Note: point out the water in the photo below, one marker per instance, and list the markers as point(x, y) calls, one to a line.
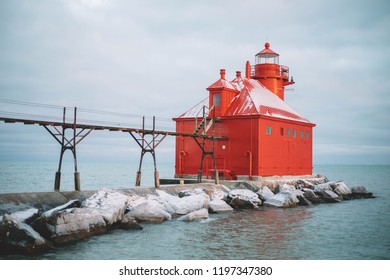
point(357, 229)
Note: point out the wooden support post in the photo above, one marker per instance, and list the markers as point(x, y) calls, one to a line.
point(77, 181)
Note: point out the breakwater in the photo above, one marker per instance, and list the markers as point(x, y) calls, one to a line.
point(50, 219)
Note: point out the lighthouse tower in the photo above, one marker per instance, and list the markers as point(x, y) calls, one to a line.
point(269, 73)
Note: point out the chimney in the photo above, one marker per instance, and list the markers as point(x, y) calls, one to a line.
point(248, 70)
point(222, 72)
point(238, 74)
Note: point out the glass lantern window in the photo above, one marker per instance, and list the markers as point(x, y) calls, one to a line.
point(267, 58)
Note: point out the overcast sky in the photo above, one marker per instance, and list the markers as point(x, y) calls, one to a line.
point(158, 57)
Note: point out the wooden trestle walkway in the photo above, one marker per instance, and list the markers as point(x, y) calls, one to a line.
point(147, 140)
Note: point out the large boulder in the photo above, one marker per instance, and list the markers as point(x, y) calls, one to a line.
point(305, 184)
point(361, 192)
point(218, 206)
point(323, 187)
point(244, 199)
point(297, 195)
point(329, 196)
point(218, 193)
point(70, 224)
point(110, 204)
point(18, 237)
point(311, 196)
point(342, 189)
point(264, 193)
point(197, 215)
point(186, 204)
point(281, 200)
point(149, 211)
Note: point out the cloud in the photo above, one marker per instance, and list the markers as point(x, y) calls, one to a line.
point(157, 58)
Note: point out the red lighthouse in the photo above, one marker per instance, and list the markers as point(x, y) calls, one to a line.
point(261, 134)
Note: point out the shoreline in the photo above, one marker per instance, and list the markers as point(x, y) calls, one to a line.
point(34, 222)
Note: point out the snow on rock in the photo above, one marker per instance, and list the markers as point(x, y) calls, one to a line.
point(197, 215)
point(342, 189)
point(220, 193)
point(186, 204)
point(361, 192)
point(264, 193)
point(18, 237)
point(70, 204)
point(305, 184)
point(135, 200)
point(243, 198)
point(110, 204)
point(70, 224)
point(287, 188)
point(149, 211)
point(329, 196)
point(281, 200)
point(219, 206)
point(26, 216)
point(323, 187)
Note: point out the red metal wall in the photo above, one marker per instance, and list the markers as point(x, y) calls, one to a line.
point(287, 150)
point(249, 150)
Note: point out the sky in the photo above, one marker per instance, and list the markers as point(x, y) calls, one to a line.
point(158, 57)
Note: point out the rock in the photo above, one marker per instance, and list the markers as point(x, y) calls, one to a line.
point(329, 196)
point(197, 215)
point(342, 189)
point(71, 204)
point(323, 187)
point(305, 184)
point(287, 188)
point(217, 193)
point(26, 216)
point(18, 237)
point(129, 222)
point(297, 195)
point(311, 196)
point(187, 204)
point(281, 200)
point(149, 211)
point(302, 200)
point(219, 206)
point(110, 204)
point(245, 199)
point(361, 192)
point(70, 225)
point(264, 193)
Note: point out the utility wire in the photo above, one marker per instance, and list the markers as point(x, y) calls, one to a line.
point(101, 112)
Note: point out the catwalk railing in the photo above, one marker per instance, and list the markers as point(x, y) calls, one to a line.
point(69, 130)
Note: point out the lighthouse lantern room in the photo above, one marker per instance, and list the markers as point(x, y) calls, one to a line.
point(261, 135)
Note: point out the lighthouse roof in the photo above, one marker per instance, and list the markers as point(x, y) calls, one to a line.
point(221, 83)
point(255, 99)
point(267, 50)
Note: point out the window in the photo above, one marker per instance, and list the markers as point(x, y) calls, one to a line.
point(268, 130)
point(307, 134)
point(217, 99)
point(301, 134)
point(294, 133)
point(281, 131)
point(288, 132)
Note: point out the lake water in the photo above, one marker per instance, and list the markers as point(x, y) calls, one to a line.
point(357, 229)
